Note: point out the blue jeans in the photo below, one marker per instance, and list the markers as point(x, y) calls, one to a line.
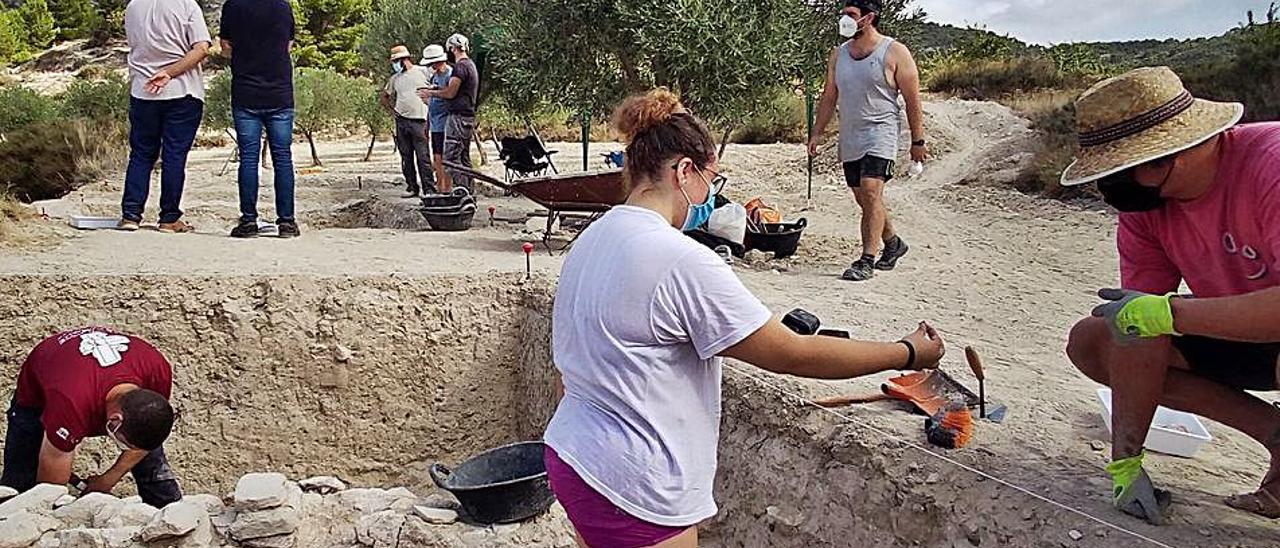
point(163, 130)
point(157, 484)
point(278, 123)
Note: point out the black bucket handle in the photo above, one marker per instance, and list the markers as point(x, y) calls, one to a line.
point(440, 473)
point(802, 223)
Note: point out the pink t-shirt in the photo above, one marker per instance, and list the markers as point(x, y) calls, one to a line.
point(1224, 243)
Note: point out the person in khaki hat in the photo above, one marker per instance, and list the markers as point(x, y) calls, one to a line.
point(1199, 202)
point(413, 139)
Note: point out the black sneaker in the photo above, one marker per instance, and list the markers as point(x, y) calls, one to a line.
point(246, 229)
point(892, 252)
point(861, 270)
point(411, 193)
point(288, 229)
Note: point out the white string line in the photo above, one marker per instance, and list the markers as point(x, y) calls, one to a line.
point(944, 458)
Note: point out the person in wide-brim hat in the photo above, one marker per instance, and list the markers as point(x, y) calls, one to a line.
point(1199, 198)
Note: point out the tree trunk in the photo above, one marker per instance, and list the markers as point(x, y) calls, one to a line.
point(724, 141)
point(475, 136)
point(373, 139)
point(315, 158)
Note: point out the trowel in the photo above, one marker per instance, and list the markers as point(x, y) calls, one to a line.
point(997, 411)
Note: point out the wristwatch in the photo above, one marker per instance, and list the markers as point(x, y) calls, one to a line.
point(919, 143)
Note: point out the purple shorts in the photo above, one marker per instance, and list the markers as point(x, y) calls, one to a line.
point(599, 522)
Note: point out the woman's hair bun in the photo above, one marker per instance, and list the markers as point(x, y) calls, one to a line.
point(640, 113)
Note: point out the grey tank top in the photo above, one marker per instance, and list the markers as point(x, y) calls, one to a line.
point(870, 117)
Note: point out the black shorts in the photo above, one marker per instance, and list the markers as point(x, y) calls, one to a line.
point(437, 143)
point(870, 167)
point(1248, 366)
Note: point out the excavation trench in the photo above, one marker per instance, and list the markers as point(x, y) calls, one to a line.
point(372, 379)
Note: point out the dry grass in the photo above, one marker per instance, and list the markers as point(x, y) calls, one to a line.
point(12, 216)
point(1052, 115)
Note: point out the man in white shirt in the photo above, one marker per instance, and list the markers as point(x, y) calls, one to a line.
point(168, 39)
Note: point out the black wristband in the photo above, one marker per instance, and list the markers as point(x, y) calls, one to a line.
point(919, 143)
point(911, 355)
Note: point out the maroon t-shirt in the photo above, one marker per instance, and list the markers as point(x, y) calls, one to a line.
point(69, 374)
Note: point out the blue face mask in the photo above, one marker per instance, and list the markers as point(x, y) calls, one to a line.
point(396, 67)
point(699, 214)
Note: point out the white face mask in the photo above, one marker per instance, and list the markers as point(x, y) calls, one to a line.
point(848, 26)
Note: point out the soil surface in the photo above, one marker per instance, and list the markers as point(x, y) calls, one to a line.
point(993, 268)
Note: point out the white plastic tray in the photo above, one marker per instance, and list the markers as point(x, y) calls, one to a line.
point(1172, 432)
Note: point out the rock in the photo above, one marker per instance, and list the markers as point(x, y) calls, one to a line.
point(776, 515)
point(506, 529)
point(91, 510)
point(7, 492)
point(932, 479)
point(212, 504)
point(120, 537)
point(379, 530)
point(131, 515)
point(63, 501)
point(416, 533)
point(323, 485)
point(261, 491)
point(342, 353)
point(366, 501)
point(24, 528)
point(437, 516)
point(278, 541)
point(1097, 445)
point(1075, 535)
point(38, 499)
point(132, 500)
point(440, 500)
point(281, 520)
point(174, 520)
point(48, 540)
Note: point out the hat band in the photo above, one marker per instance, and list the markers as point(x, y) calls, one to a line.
point(1140, 123)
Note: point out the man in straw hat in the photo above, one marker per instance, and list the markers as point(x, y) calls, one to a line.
point(1199, 198)
point(400, 97)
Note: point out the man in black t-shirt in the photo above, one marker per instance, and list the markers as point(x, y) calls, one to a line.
point(261, 33)
point(461, 93)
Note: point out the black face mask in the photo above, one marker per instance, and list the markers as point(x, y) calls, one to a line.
point(1123, 192)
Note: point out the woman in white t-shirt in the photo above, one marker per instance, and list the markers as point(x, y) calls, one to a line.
point(642, 314)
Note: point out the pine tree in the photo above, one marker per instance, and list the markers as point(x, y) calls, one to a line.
point(75, 18)
point(39, 22)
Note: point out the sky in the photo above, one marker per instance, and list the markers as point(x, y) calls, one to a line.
point(1056, 21)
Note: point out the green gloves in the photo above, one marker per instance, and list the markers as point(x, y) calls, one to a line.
point(1134, 494)
point(1133, 314)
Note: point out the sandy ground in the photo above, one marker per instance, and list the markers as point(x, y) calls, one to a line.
point(990, 267)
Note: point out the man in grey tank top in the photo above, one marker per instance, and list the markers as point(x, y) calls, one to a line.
point(865, 76)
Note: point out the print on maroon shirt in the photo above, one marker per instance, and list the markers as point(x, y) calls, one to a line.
point(68, 377)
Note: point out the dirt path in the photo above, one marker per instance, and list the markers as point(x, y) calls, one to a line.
point(991, 267)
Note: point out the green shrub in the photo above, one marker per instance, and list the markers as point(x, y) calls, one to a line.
point(76, 18)
point(40, 26)
point(781, 120)
point(986, 78)
point(217, 103)
point(105, 100)
point(21, 107)
point(1252, 76)
point(371, 114)
point(48, 160)
point(13, 37)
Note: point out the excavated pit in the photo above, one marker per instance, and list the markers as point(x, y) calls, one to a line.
point(372, 379)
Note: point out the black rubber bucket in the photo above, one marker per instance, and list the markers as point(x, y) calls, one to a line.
point(780, 238)
point(450, 219)
point(456, 199)
point(502, 485)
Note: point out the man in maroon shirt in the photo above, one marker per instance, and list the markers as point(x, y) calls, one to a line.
point(87, 382)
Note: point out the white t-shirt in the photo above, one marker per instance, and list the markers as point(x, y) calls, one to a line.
point(160, 33)
point(403, 89)
point(640, 314)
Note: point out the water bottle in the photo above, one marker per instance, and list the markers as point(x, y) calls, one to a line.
point(916, 169)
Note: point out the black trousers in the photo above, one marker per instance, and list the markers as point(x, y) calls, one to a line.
point(157, 484)
point(414, 145)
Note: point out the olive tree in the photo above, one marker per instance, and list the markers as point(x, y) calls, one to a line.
point(323, 100)
point(370, 112)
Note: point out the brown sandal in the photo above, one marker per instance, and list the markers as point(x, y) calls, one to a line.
point(176, 227)
point(1260, 502)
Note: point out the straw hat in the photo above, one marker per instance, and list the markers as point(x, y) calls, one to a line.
point(1140, 116)
point(433, 54)
point(400, 52)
